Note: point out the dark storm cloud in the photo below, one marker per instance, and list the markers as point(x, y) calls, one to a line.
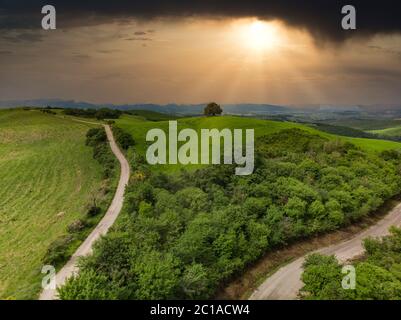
point(320, 17)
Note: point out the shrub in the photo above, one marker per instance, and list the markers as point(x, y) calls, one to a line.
point(76, 226)
point(378, 275)
point(57, 251)
point(88, 285)
point(106, 113)
point(123, 138)
point(390, 155)
point(95, 136)
point(93, 211)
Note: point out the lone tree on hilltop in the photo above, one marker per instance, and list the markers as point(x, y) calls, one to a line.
point(213, 109)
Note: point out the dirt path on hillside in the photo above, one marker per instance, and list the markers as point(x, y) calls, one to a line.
point(286, 282)
point(101, 229)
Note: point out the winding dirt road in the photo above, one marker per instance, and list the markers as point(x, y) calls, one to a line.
point(101, 229)
point(286, 282)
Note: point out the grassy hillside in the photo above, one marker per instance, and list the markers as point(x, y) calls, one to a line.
point(343, 131)
point(47, 177)
point(366, 124)
point(392, 132)
point(138, 127)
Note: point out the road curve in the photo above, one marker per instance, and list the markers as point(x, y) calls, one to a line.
point(101, 229)
point(286, 282)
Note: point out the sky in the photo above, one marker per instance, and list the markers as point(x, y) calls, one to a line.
point(278, 52)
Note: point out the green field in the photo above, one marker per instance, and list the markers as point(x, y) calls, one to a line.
point(391, 132)
point(47, 178)
point(366, 124)
point(138, 127)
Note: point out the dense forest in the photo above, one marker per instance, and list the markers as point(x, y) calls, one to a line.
point(182, 235)
point(378, 274)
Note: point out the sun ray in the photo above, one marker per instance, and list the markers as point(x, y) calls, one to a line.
point(259, 36)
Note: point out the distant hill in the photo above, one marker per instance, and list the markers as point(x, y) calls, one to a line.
point(255, 109)
point(46, 102)
point(183, 109)
point(152, 115)
point(300, 112)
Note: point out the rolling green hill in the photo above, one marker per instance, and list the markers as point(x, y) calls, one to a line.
point(47, 177)
point(366, 124)
point(138, 127)
point(391, 132)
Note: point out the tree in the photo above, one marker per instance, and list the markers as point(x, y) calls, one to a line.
point(105, 113)
point(321, 278)
point(88, 285)
point(377, 276)
point(124, 139)
point(193, 198)
point(158, 276)
point(195, 282)
point(213, 109)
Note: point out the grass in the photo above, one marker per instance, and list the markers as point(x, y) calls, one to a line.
point(366, 124)
point(47, 178)
point(391, 132)
point(138, 127)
